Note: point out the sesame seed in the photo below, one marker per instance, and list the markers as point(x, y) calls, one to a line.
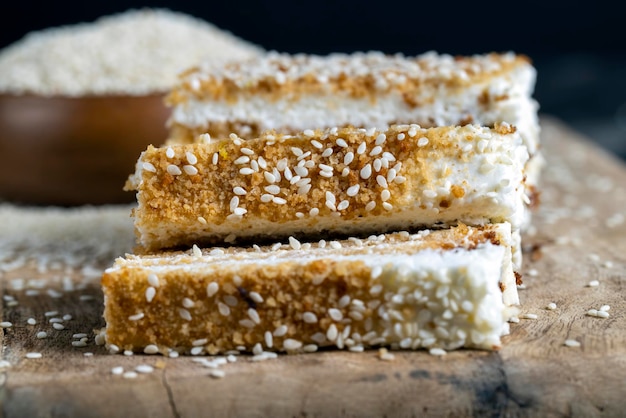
point(291, 344)
point(309, 132)
point(304, 189)
point(118, 370)
point(296, 151)
point(572, 343)
point(344, 301)
point(5, 324)
point(310, 348)
point(332, 333)
point(400, 137)
point(215, 158)
point(184, 313)
point(387, 206)
point(309, 318)
point(317, 144)
point(190, 170)
point(279, 200)
point(348, 158)
point(399, 179)
point(325, 167)
point(382, 181)
point(31, 321)
point(605, 308)
point(294, 243)
point(240, 191)
point(422, 142)
point(593, 283)
point(42, 334)
point(266, 198)
point(269, 177)
point(254, 315)
point(345, 172)
point(256, 297)
point(376, 150)
point(343, 205)
point(341, 142)
point(272, 189)
point(136, 317)
point(380, 139)
point(389, 156)
point(370, 206)
point(335, 245)
point(234, 202)
point(327, 152)
point(301, 171)
point(151, 349)
point(149, 167)
point(602, 314)
point(212, 289)
point(246, 171)
point(437, 352)
point(376, 289)
point(58, 326)
point(314, 212)
point(366, 172)
point(280, 331)
point(169, 152)
point(174, 170)
point(281, 165)
point(528, 316)
point(217, 373)
point(551, 306)
point(223, 309)
point(362, 148)
point(144, 368)
point(378, 164)
point(335, 314)
point(353, 190)
point(191, 158)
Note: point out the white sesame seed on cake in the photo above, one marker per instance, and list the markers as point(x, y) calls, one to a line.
point(437, 289)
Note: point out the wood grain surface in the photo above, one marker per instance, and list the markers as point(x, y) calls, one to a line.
point(578, 236)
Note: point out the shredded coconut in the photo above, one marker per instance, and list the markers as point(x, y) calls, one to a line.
point(134, 52)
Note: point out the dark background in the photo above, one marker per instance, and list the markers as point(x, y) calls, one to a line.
point(579, 49)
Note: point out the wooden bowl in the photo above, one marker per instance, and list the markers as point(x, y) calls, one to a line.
point(68, 151)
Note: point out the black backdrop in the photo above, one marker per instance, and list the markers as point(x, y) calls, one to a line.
point(579, 49)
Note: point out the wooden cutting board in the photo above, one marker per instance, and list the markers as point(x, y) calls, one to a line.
point(579, 236)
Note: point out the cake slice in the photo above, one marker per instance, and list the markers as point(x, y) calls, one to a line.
point(292, 93)
point(338, 182)
point(443, 289)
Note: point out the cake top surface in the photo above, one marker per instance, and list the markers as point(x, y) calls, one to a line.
point(432, 242)
point(369, 70)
